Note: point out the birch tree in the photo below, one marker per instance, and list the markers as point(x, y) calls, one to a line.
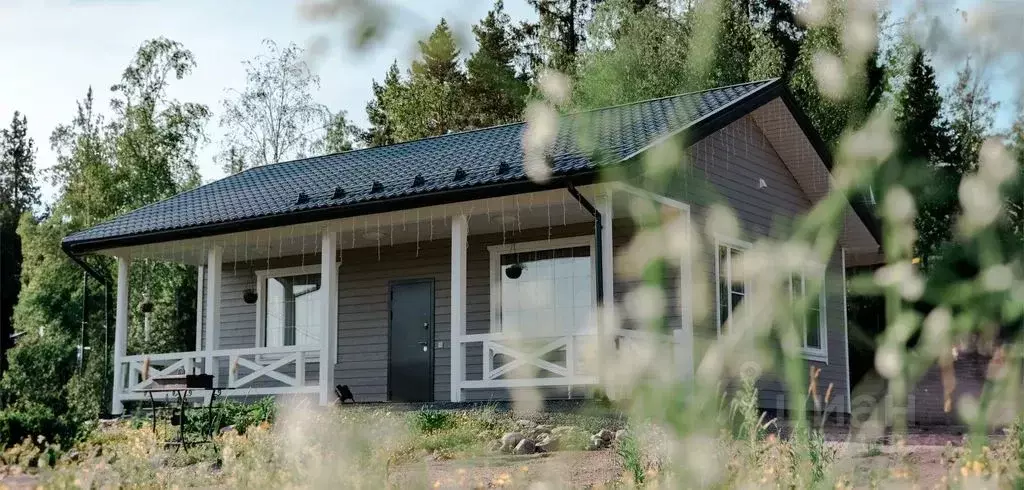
point(274, 117)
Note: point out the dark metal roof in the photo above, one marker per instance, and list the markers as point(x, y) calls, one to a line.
point(457, 166)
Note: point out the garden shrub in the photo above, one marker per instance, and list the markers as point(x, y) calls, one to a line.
point(427, 421)
point(30, 421)
point(39, 367)
point(229, 413)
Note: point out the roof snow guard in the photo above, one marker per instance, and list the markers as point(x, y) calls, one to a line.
point(448, 169)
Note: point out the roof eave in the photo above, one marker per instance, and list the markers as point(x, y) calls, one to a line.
point(447, 196)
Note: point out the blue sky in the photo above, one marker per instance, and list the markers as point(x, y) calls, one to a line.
point(53, 50)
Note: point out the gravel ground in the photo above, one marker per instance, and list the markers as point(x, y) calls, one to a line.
point(563, 469)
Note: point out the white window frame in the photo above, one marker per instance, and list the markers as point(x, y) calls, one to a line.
point(261, 302)
point(747, 291)
point(496, 251)
point(814, 353)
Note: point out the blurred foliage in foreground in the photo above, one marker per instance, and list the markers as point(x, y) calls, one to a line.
point(948, 187)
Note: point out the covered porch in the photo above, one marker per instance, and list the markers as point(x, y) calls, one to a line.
point(454, 302)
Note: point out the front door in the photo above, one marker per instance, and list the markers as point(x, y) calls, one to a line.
point(411, 353)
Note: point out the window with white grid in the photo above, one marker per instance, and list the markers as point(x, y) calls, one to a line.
point(542, 289)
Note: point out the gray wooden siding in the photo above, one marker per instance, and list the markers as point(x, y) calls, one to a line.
point(363, 287)
point(727, 168)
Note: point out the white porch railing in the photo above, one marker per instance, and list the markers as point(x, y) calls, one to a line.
point(243, 372)
point(272, 370)
point(528, 355)
point(513, 361)
point(544, 360)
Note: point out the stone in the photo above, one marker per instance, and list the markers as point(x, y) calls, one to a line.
point(525, 446)
point(226, 429)
point(544, 429)
point(510, 440)
point(595, 443)
point(605, 435)
point(620, 435)
point(548, 444)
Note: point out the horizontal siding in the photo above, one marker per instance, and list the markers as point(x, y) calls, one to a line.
point(730, 165)
point(364, 282)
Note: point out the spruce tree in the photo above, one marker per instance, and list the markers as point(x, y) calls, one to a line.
point(924, 138)
point(18, 193)
point(559, 31)
point(382, 129)
point(432, 101)
point(497, 93)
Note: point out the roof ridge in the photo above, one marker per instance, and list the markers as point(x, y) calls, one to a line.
point(672, 96)
point(516, 123)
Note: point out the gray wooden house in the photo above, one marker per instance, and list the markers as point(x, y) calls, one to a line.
point(437, 270)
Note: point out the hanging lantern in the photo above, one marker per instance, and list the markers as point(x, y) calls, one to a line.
point(514, 271)
point(249, 295)
point(146, 306)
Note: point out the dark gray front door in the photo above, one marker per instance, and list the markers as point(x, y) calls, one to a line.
point(410, 364)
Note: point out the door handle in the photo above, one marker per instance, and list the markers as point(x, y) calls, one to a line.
point(424, 346)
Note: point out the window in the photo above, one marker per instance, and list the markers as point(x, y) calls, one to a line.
point(290, 307)
point(731, 289)
point(542, 288)
point(811, 319)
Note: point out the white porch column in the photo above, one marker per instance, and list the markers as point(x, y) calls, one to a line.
point(606, 323)
point(460, 234)
point(605, 207)
point(214, 265)
point(120, 334)
point(200, 302)
point(329, 334)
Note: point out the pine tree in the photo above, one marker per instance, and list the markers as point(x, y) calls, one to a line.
point(924, 152)
point(18, 193)
point(382, 129)
point(497, 93)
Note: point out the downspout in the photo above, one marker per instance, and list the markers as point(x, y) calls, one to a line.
point(598, 243)
point(599, 282)
point(90, 271)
